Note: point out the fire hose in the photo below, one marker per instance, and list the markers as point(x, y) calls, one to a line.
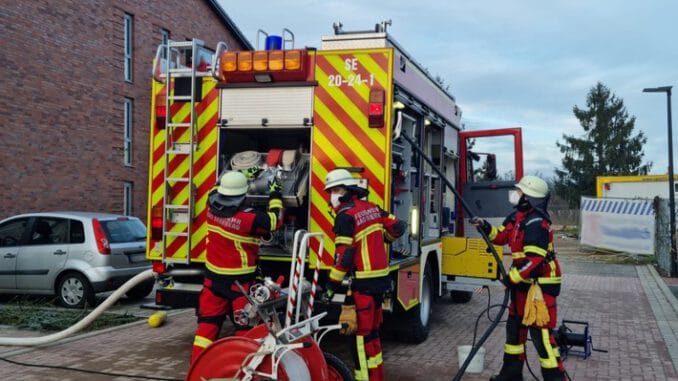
point(122, 290)
point(487, 240)
point(31, 341)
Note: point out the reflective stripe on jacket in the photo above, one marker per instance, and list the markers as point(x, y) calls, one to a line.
point(233, 242)
point(361, 230)
point(530, 239)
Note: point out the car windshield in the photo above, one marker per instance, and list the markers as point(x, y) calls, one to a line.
point(124, 230)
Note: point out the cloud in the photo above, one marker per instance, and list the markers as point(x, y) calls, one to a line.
point(523, 63)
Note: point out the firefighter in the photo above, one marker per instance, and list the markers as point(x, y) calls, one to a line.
point(361, 229)
point(528, 233)
point(233, 233)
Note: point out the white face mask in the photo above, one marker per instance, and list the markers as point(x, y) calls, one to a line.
point(514, 197)
point(334, 199)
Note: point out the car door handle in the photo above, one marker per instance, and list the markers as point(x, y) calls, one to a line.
point(59, 252)
point(10, 255)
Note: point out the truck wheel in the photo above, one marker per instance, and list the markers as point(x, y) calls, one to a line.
point(461, 296)
point(415, 325)
point(140, 291)
point(337, 369)
point(74, 291)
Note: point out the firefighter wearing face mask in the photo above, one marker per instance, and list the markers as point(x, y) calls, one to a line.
point(528, 233)
point(361, 229)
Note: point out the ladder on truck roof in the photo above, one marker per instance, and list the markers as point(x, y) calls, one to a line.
point(180, 215)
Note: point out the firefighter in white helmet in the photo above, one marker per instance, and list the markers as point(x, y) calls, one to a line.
point(361, 228)
point(528, 233)
point(233, 233)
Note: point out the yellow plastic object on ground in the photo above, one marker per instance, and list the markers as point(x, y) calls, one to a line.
point(157, 319)
point(469, 257)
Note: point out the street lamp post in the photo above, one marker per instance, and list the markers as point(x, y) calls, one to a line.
point(672, 202)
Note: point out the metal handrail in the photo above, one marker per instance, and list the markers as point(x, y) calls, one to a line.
point(216, 60)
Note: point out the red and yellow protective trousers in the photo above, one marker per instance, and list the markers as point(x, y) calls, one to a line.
point(530, 238)
point(232, 247)
point(361, 228)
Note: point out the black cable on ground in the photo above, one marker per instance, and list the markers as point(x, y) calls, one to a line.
point(529, 368)
point(489, 307)
point(90, 371)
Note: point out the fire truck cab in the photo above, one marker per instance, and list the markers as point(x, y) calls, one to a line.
point(297, 114)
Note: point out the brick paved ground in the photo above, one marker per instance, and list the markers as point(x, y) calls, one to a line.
point(615, 305)
point(628, 314)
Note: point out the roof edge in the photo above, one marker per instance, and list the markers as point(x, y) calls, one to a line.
point(229, 23)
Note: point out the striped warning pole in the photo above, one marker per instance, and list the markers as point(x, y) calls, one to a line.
point(294, 278)
point(316, 272)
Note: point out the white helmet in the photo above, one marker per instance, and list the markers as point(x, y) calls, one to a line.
point(533, 186)
point(339, 177)
point(233, 183)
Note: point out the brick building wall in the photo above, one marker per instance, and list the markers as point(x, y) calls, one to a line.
point(62, 92)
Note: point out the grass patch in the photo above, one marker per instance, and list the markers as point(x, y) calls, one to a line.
point(599, 256)
point(42, 318)
point(570, 231)
point(623, 259)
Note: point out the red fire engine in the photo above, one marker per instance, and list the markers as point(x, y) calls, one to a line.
point(299, 113)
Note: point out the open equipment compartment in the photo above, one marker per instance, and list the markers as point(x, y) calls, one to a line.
point(282, 152)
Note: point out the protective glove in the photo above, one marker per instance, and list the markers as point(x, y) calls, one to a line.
point(480, 223)
point(251, 172)
point(348, 317)
point(349, 320)
point(275, 185)
point(535, 312)
point(327, 296)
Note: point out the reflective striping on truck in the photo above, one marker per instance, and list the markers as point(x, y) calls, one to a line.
point(341, 135)
point(204, 169)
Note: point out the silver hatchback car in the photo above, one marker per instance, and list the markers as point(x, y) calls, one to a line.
point(72, 255)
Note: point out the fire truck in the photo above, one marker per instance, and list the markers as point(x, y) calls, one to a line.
point(297, 114)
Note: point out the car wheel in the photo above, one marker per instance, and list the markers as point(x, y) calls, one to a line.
point(74, 291)
point(140, 291)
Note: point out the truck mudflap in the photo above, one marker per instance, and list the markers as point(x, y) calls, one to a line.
point(410, 318)
point(407, 291)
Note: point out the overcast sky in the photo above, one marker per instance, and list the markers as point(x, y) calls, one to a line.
point(519, 63)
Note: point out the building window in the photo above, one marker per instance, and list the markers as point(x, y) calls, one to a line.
point(127, 189)
point(127, 139)
point(164, 40)
point(129, 20)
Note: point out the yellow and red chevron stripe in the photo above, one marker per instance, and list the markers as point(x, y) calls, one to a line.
point(342, 136)
point(204, 170)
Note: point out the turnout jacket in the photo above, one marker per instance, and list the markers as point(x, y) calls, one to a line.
point(530, 238)
point(233, 237)
point(361, 230)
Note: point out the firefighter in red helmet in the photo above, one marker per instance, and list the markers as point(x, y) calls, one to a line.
point(233, 233)
point(361, 229)
point(528, 233)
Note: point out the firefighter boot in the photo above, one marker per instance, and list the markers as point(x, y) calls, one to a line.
point(554, 374)
point(511, 370)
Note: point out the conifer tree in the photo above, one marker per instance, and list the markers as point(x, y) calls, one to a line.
point(608, 146)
